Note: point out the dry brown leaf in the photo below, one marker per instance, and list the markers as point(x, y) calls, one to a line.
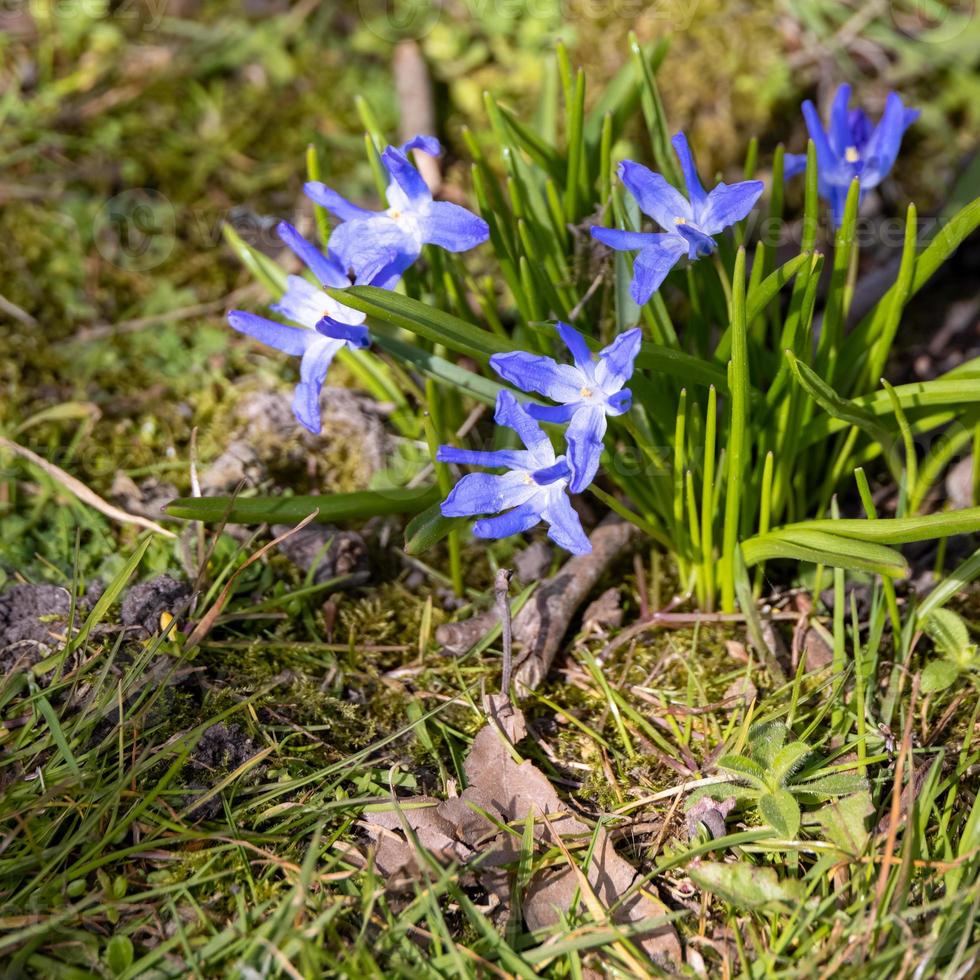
point(504, 789)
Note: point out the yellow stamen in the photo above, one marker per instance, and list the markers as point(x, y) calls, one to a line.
point(680, 221)
point(851, 154)
point(586, 392)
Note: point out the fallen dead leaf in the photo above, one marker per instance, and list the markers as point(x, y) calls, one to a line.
point(503, 789)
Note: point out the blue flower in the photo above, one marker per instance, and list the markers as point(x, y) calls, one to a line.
point(392, 240)
point(533, 489)
point(589, 389)
point(851, 148)
point(326, 325)
point(690, 222)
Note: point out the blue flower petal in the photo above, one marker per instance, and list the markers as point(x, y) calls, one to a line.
point(623, 241)
point(551, 413)
point(487, 493)
point(325, 267)
point(558, 470)
point(579, 349)
point(829, 167)
point(514, 459)
point(698, 243)
point(290, 340)
point(584, 436)
point(654, 195)
point(615, 366)
point(729, 203)
point(883, 146)
point(860, 126)
point(695, 191)
point(620, 402)
point(841, 135)
point(352, 334)
point(837, 195)
point(452, 227)
point(519, 519)
point(338, 206)
point(408, 179)
point(565, 526)
point(385, 269)
point(793, 164)
point(513, 415)
point(312, 372)
point(373, 245)
point(535, 372)
point(303, 303)
point(427, 144)
point(651, 266)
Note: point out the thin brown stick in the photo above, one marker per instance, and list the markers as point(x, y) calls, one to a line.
point(500, 591)
point(205, 623)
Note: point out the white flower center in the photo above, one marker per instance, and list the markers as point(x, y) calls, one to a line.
point(407, 221)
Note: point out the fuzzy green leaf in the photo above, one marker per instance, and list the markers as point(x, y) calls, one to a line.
point(843, 822)
point(781, 811)
point(766, 738)
point(788, 760)
point(745, 768)
point(938, 675)
point(835, 784)
point(950, 634)
point(747, 886)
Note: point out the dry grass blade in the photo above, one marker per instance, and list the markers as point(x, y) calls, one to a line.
point(207, 621)
point(82, 492)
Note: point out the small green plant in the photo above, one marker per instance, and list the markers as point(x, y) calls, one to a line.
point(773, 774)
point(958, 656)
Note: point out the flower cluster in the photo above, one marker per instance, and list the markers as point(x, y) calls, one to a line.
point(376, 247)
point(366, 248)
point(587, 391)
point(850, 148)
point(691, 222)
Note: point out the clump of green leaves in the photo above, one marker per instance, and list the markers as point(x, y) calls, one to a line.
point(777, 774)
point(748, 378)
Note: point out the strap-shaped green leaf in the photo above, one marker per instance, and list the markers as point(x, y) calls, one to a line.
point(760, 296)
point(834, 404)
point(291, 510)
point(927, 262)
point(427, 529)
point(953, 390)
point(896, 530)
point(469, 383)
point(822, 548)
point(422, 320)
